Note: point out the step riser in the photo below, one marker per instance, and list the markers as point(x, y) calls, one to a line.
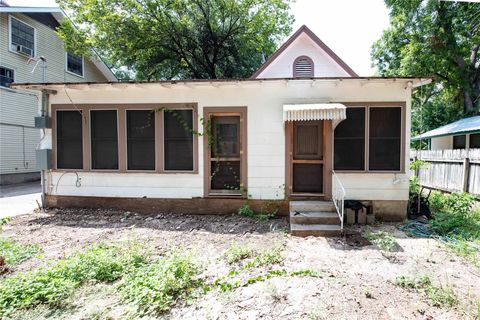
point(316, 233)
point(314, 220)
point(327, 207)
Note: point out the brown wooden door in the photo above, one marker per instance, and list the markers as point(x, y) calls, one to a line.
point(307, 157)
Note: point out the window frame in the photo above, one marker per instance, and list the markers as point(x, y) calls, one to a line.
point(73, 73)
point(10, 17)
point(14, 74)
point(195, 129)
point(155, 120)
point(208, 112)
point(368, 106)
point(90, 153)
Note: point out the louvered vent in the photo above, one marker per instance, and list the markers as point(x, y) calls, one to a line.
point(303, 67)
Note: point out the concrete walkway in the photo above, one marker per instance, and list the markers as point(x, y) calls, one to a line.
point(17, 199)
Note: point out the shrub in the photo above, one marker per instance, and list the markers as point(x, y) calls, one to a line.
point(53, 284)
point(154, 288)
point(15, 253)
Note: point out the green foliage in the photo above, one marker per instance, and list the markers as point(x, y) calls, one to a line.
point(264, 215)
point(384, 240)
point(439, 296)
point(155, 287)
point(433, 38)
point(165, 39)
point(15, 253)
point(53, 284)
point(234, 254)
point(4, 221)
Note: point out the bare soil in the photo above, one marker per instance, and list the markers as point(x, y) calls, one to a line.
point(357, 278)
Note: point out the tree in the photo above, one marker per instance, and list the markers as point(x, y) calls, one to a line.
point(434, 38)
point(178, 39)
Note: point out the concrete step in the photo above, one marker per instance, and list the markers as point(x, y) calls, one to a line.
point(312, 206)
point(314, 217)
point(317, 230)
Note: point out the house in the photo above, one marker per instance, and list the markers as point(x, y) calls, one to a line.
point(303, 134)
point(461, 134)
point(26, 35)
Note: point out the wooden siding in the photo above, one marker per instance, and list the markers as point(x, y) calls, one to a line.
point(17, 109)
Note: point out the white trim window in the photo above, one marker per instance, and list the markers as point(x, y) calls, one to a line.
point(7, 76)
point(74, 64)
point(22, 37)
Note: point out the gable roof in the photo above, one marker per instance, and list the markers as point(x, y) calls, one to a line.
point(59, 14)
point(320, 43)
point(467, 125)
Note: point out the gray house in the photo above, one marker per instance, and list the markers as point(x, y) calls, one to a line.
point(30, 51)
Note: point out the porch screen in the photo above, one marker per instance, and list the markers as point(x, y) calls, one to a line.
point(178, 140)
point(459, 142)
point(225, 153)
point(384, 138)
point(349, 141)
point(475, 140)
point(69, 140)
point(140, 140)
point(104, 139)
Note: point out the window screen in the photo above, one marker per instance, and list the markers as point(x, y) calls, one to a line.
point(69, 140)
point(140, 140)
point(22, 37)
point(6, 76)
point(104, 139)
point(349, 142)
point(75, 64)
point(178, 140)
point(475, 140)
point(384, 140)
point(459, 142)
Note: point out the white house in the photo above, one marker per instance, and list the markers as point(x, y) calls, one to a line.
point(26, 33)
point(304, 127)
point(461, 134)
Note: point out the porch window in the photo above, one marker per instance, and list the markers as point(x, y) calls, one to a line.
point(140, 140)
point(69, 140)
point(178, 140)
point(385, 131)
point(104, 139)
point(349, 141)
point(475, 140)
point(459, 142)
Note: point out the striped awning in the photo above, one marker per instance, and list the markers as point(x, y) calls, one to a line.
point(316, 111)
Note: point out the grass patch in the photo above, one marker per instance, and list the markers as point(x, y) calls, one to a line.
point(50, 286)
point(15, 253)
point(235, 254)
point(155, 287)
point(439, 296)
point(266, 214)
point(384, 240)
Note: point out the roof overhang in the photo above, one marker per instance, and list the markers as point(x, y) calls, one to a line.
point(462, 126)
point(315, 111)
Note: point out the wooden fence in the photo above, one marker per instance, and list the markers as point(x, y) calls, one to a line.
point(449, 170)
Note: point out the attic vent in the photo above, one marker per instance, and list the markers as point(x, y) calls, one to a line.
point(303, 67)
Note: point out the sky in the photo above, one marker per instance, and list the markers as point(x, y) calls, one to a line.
point(348, 27)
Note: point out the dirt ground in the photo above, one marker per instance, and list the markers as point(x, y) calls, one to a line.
point(357, 278)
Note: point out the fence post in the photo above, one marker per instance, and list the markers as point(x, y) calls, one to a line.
point(466, 173)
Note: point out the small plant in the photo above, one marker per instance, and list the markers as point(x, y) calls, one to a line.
point(5, 220)
point(267, 257)
point(367, 293)
point(15, 253)
point(265, 215)
point(384, 240)
point(155, 287)
point(237, 253)
point(439, 296)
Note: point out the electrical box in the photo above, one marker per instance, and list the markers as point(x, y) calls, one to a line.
point(44, 159)
point(43, 122)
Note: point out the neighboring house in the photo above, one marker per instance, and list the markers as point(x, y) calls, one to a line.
point(25, 33)
point(461, 134)
point(304, 127)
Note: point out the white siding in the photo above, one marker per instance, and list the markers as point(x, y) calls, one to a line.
point(265, 131)
point(442, 143)
point(324, 65)
point(17, 109)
